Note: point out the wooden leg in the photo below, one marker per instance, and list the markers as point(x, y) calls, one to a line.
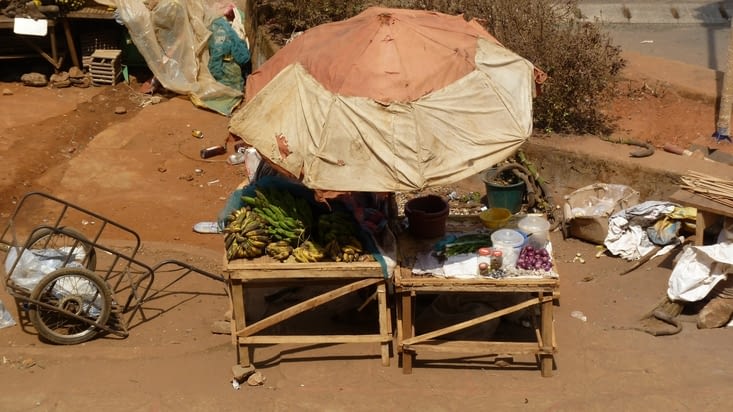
point(546, 331)
point(383, 323)
point(239, 320)
point(406, 300)
point(70, 42)
point(703, 220)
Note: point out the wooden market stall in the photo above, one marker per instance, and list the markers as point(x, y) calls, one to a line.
point(527, 292)
point(347, 278)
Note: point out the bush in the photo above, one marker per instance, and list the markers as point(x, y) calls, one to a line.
point(582, 64)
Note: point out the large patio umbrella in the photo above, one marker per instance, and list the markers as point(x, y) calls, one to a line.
point(388, 100)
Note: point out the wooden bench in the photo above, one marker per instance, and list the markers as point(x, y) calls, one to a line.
point(708, 211)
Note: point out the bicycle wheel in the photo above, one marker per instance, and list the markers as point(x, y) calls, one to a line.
point(47, 238)
point(73, 290)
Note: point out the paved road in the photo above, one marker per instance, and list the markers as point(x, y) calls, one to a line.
point(694, 31)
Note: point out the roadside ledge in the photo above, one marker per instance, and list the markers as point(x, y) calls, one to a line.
point(657, 13)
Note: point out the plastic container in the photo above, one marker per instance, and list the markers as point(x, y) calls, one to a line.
point(426, 216)
point(495, 218)
point(537, 230)
point(484, 256)
point(509, 242)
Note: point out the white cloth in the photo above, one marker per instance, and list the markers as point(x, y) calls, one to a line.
point(627, 236)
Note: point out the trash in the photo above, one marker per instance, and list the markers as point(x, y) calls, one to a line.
point(206, 227)
point(252, 161)
point(579, 315)
point(236, 158)
point(6, 318)
point(235, 384)
point(212, 151)
point(197, 134)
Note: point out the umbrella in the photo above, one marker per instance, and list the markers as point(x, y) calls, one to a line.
point(388, 100)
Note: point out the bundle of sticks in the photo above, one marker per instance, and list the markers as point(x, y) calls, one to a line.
point(711, 187)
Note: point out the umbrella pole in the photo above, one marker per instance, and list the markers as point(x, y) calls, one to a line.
point(722, 131)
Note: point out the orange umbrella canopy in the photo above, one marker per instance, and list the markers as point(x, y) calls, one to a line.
point(389, 100)
point(389, 55)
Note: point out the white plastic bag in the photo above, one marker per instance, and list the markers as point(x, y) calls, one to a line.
point(34, 264)
point(698, 270)
point(6, 318)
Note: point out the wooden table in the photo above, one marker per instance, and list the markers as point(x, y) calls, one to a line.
point(348, 278)
point(708, 211)
point(543, 292)
point(32, 42)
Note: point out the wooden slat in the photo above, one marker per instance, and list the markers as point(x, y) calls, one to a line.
point(304, 306)
point(310, 339)
point(471, 347)
point(471, 322)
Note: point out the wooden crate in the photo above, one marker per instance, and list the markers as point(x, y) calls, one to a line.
point(105, 66)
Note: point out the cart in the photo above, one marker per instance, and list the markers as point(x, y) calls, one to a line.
point(77, 274)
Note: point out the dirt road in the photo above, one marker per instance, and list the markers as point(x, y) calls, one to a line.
point(142, 169)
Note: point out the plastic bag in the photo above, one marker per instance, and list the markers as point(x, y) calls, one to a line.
point(33, 265)
point(6, 318)
point(698, 270)
point(171, 38)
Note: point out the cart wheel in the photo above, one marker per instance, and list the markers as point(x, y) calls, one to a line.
point(46, 238)
point(73, 290)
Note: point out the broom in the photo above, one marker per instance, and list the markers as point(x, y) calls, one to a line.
point(662, 319)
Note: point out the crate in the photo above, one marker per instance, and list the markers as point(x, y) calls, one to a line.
point(105, 66)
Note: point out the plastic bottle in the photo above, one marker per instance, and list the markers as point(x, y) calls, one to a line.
point(237, 158)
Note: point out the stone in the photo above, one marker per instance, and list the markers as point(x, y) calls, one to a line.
point(715, 314)
point(7, 92)
point(120, 110)
point(34, 79)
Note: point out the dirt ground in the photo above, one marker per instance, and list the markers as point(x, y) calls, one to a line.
point(142, 169)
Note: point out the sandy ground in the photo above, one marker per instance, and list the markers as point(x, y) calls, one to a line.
point(142, 169)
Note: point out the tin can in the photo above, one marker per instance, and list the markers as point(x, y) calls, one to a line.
point(212, 151)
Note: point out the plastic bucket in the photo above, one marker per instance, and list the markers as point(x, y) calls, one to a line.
point(503, 196)
point(426, 216)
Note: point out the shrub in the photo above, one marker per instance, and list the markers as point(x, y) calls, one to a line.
point(582, 64)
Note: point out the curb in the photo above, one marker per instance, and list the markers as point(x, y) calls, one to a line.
point(669, 13)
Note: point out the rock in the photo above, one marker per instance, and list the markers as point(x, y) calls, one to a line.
point(60, 80)
point(120, 110)
point(34, 79)
point(7, 92)
point(256, 379)
point(76, 73)
point(715, 314)
point(241, 373)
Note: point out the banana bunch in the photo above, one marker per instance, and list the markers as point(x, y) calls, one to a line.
point(338, 230)
point(279, 250)
point(245, 235)
point(308, 252)
point(288, 218)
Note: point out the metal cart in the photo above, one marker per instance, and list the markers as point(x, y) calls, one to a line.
point(76, 275)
